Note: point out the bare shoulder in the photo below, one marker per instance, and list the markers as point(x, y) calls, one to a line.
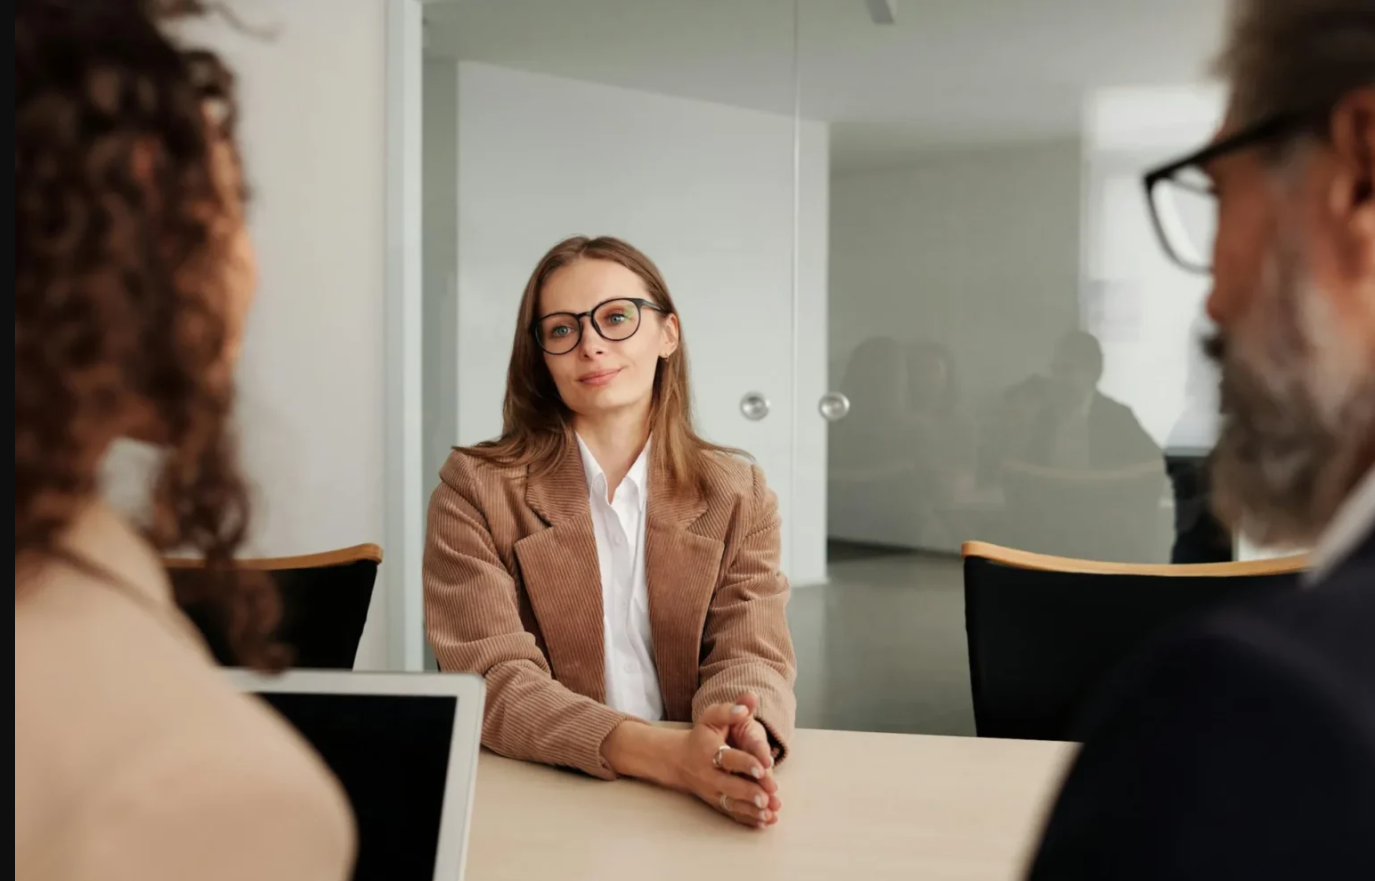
point(243, 755)
point(227, 796)
point(126, 734)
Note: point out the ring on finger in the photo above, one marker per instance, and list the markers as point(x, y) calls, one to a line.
point(724, 802)
point(716, 759)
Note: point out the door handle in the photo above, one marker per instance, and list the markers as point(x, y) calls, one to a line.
point(754, 406)
point(833, 406)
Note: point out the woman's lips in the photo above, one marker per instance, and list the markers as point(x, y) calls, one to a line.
point(601, 377)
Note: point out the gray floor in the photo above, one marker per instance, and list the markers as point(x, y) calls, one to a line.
point(881, 647)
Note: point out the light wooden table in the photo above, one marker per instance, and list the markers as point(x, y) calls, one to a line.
point(856, 806)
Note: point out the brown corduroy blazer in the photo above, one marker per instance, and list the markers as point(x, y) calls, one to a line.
point(513, 591)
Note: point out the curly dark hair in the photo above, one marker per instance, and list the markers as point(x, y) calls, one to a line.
point(122, 278)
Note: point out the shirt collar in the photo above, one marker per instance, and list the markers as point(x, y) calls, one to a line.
point(636, 479)
point(1354, 521)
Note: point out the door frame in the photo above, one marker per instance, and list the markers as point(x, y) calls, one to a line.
point(404, 490)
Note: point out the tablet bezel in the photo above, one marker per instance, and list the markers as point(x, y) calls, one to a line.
point(460, 787)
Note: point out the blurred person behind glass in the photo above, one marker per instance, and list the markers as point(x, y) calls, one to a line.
point(944, 429)
point(874, 495)
point(133, 757)
point(1008, 433)
point(943, 443)
point(1079, 428)
point(1199, 536)
point(1243, 746)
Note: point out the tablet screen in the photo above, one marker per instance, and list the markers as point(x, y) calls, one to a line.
point(391, 753)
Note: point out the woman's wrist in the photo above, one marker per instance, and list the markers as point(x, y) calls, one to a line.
point(635, 749)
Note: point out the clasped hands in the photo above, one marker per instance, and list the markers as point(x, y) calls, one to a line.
point(727, 762)
point(724, 759)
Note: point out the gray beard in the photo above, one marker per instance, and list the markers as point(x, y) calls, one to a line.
point(1297, 415)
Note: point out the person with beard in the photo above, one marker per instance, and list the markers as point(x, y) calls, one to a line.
point(1243, 745)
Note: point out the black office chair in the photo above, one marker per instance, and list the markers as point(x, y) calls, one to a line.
point(325, 599)
point(1044, 631)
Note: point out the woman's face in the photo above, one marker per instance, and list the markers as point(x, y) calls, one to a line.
point(599, 377)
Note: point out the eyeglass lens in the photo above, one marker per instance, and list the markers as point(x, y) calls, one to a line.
point(615, 320)
point(1186, 210)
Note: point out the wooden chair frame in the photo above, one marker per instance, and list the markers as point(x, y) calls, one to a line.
point(1049, 563)
point(341, 557)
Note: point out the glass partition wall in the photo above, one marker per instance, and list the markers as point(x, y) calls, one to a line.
point(916, 275)
point(1016, 351)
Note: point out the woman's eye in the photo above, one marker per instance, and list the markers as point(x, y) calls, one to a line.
point(559, 331)
point(616, 317)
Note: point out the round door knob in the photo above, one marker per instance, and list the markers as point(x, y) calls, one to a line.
point(833, 406)
point(754, 406)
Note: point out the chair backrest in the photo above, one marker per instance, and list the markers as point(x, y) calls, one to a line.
point(1044, 631)
point(325, 599)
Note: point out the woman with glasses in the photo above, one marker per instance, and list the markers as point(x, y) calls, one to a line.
point(602, 565)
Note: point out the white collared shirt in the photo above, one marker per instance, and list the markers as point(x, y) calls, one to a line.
point(1353, 522)
point(632, 680)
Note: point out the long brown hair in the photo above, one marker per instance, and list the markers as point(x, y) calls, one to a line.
point(122, 268)
point(537, 426)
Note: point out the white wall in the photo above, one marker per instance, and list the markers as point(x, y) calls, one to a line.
point(708, 192)
point(976, 249)
point(311, 376)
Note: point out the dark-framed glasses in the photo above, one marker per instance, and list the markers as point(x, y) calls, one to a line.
point(559, 333)
point(1183, 203)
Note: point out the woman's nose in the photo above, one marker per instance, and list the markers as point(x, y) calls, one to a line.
point(591, 342)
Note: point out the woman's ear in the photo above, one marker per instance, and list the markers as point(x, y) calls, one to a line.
point(668, 336)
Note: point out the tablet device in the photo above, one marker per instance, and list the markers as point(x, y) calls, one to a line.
point(405, 748)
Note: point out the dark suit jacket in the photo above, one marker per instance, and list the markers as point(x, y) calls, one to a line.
point(1242, 747)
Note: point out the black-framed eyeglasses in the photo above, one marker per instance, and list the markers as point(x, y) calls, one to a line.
point(559, 333)
point(1182, 201)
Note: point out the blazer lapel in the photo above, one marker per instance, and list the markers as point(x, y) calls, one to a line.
point(681, 569)
point(563, 579)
